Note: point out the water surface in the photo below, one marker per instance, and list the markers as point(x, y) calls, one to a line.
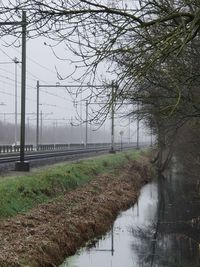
point(161, 229)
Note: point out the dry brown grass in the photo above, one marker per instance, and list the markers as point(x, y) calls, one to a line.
point(48, 234)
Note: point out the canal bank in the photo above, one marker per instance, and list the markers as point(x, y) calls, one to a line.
point(160, 230)
point(47, 234)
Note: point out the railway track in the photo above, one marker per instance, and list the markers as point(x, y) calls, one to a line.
point(41, 158)
point(31, 156)
point(48, 157)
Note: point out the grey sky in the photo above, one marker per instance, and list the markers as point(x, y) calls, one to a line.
point(41, 62)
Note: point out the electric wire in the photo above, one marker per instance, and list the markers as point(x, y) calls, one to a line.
point(29, 87)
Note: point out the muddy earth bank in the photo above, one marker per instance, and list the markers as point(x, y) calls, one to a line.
point(46, 235)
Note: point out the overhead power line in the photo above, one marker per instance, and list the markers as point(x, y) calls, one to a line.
point(37, 63)
point(5, 54)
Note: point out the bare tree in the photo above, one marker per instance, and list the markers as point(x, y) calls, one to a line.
point(97, 32)
point(147, 47)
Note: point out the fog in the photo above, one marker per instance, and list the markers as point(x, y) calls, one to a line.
point(62, 116)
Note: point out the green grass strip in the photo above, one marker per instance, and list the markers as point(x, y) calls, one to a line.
point(21, 193)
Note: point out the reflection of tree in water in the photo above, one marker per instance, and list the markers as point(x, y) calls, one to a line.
point(172, 250)
point(173, 238)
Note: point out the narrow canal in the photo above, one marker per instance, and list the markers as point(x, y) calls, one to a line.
point(162, 229)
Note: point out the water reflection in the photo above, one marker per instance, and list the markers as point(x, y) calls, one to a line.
point(162, 229)
point(173, 239)
point(122, 254)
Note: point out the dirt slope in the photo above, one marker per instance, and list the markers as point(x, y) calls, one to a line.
point(49, 233)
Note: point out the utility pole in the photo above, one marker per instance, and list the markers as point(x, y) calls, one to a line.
point(71, 131)
point(112, 149)
point(81, 119)
point(37, 117)
point(41, 126)
point(21, 165)
point(53, 135)
point(23, 97)
point(16, 61)
point(138, 127)
point(86, 126)
point(61, 86)
point(86, 86)
point(129, 130)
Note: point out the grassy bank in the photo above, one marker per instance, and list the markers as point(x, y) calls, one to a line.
point(47, 234)
point(21, 193)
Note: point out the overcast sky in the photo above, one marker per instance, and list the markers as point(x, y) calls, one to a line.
point(55, 103)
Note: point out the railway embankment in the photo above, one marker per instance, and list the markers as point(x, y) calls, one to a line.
point(48, 214)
